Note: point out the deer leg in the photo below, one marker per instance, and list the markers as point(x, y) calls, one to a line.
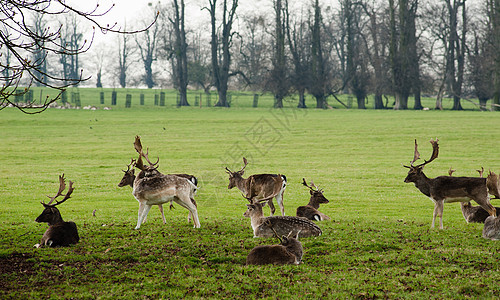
point(143, 212)
point(279, 199)
point(487, 206)
point(188, 204)
point(438, 211)
point(160, 207)
point(271, 206)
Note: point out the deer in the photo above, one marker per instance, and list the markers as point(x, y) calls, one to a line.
point(491, 229)
point(447, 189)
point(310, 211)
point(129, 177)
point(151, 187)
point(59, 233)
point(476, 214)
point(259, 186)
point(261, 225)
point(288, 252)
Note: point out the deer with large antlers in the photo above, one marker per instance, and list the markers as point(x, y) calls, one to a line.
point(259, 186)
point(59, 233)
point(129, 178)
point(310, 211)
point(447, 189)
point(150, 187)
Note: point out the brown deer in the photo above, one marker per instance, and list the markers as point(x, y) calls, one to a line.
point(151, 187)
point(59, 233)
point(310, 211)
point(266, 226)
point(447, 189)
point(259, 186)
point(288, 252)
point(129, 178)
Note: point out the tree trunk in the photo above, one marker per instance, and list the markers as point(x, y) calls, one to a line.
point(302, 99)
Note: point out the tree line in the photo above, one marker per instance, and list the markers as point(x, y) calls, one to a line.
point(403, 48)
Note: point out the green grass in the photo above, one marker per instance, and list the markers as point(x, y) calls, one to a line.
point(378, 243)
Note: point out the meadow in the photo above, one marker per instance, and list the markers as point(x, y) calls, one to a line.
point(379, 243)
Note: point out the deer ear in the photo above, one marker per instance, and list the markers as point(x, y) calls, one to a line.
point(241, 172)
point(311, 192)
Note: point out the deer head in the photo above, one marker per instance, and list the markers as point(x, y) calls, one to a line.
point(51, 214)
point(415, 171)
point(152, 168)
point(235, 176)
point(129, 176)
point(315, 192)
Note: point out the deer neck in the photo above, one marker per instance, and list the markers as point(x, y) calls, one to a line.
point(423, 184)
point(56, 218)
point(242, 184)
point(313, 203)
point(257, 218)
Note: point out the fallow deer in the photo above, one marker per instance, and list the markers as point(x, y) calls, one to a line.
point(151, 187)
point(447, 189)
point(59, 233)
point(129, 177)
point(310, 211)
point(491, 229)
point(288, 252)
point(265, 226)
point(259, 186)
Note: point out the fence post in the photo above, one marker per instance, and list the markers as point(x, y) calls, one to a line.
point(156, 99)
point(77, 99)
point(142, 99)
point(162, 98)
point(113, 98)
point(128, 101)
point(102, 97)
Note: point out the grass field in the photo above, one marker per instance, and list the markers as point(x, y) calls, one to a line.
point(378, 244)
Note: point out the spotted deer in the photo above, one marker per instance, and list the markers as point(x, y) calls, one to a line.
point(283, 225)
point(151, 187)
point(59, 233)
point(129, 178)
point(259, 186)
point(310, 211)
point(447, 189)
point(288, 252)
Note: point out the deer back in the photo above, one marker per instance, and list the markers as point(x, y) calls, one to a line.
point(264, 185)
point(308, 212)
point(443, 187)
point(288, 252)
point(283, 225)
point(474, 214)
point(153, 186)
point(60, 234)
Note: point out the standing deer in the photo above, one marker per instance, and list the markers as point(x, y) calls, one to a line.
point(447, 189)
point(153, 188)
point(129, 178)
point(283, 225)
point(310, 211)
point(288, 252)
point(59, 233)
point(259, 186)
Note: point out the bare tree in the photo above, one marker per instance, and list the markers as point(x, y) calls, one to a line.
point(494, 17)
point(221, 63)
point(318, 86)
point(146, 43)
point(124, 58)
point(19, 39)
point(298, 39)
point(402, 22)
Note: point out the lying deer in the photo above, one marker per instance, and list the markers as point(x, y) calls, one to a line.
point(447, 189)
point(259, 186)
point(129, 178)
point(151, 187)
point(310, 211)
point(59, 233)
point(491, 228)
point(288, 252)
point(283, 225)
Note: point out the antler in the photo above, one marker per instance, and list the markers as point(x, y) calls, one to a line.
point(138, 147)
point(481, 172)
point(312, 187)
point(132, 164)
point(416, 155)
point(269, 224)
point(62, 186)
point(245, 162)
point(451, 171)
